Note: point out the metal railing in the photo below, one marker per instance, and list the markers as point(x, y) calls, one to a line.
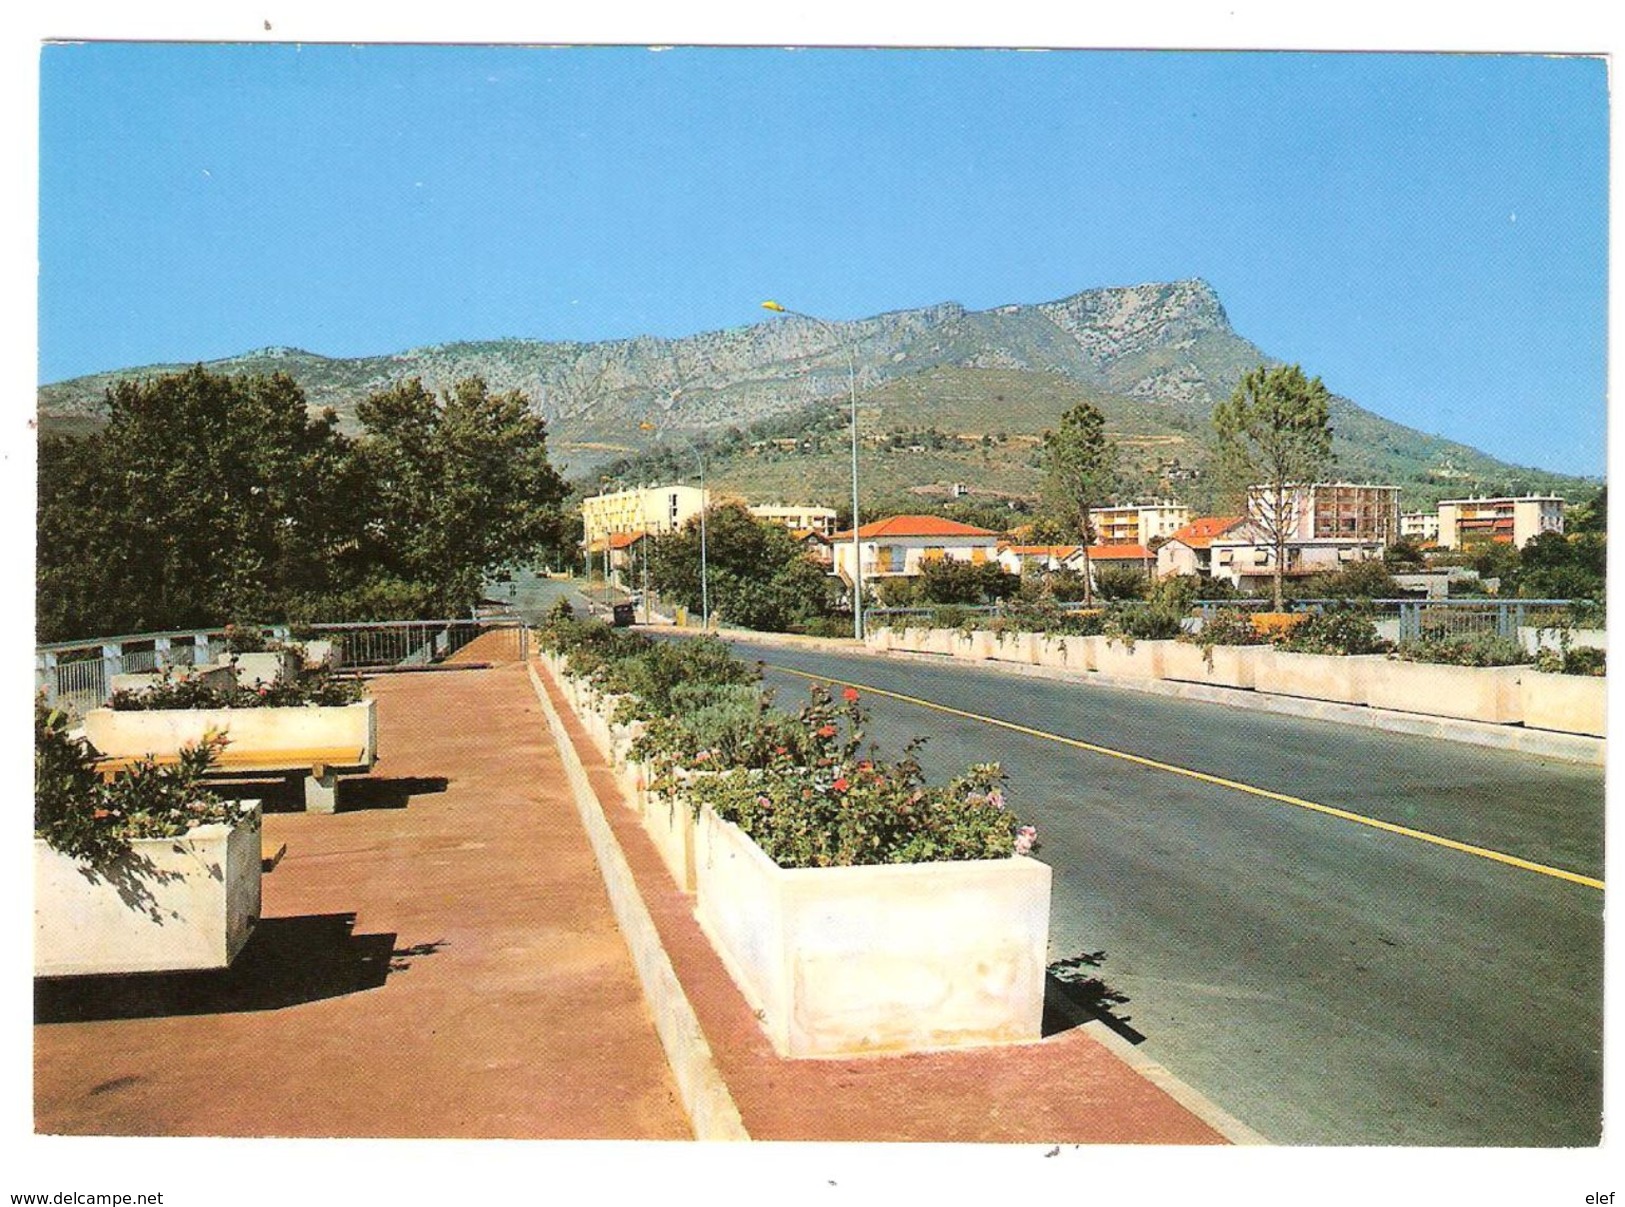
point(78, 675)
point(1435, 617)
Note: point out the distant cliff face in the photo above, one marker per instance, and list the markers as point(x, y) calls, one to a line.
point(1156, 355)
point(1166, 343)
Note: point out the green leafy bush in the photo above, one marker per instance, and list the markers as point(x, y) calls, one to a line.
point(1573, 660)
point(1120, 582)
point(1465, 649)
point(316, 689)
point(1334, 632)
point(1143, 622)
point(1227, 626)
point(82, 816)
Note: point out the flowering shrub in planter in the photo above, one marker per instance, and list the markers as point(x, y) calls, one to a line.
point(1334, 632)
point(319, 689)
point(858, 908)
point(871, 958)
point(148, 871)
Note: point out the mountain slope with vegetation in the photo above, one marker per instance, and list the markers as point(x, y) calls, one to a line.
point(1155, 358)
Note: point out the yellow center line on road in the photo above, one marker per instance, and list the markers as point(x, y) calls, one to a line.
point(1218, 780)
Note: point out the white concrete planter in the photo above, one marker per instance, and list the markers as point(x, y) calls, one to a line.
point(320, 741)
point(1220, 665)
point(1016, 647)
point(1141, 660)
point(669, 821)
point(1334, 677)
point(319, 652)
point(978, 645)
point(214, 676)
point(890, 958)
point(1071, 652)
point(942, 641)
point(1472, 693)
point(264, 667)
point(164, 731)
point(172, 904)
point(1566, 703)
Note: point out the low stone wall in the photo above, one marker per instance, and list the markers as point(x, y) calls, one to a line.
point(1492, 695)
point(1564, 703)
point(1471, 693)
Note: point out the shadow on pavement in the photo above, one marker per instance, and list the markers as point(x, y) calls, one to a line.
point(1073, 995)
point(286, 962)
point(381, 793)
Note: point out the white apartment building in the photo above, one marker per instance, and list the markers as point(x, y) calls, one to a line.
point(1464, 523)
point(1138, 523)
point(1328, 525)
point(798, 519)
point(1332, 511)
point(653, 509)
point(1420, 526)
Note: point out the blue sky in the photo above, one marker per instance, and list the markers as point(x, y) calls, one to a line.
point(1426, 232)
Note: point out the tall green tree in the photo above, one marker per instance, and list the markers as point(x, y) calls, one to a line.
point(1081, 465)
point(757, 574)
point(201, 501)
point(1274, 434)
point(458, 486)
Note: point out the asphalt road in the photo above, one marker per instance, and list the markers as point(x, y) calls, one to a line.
point(1325, 981)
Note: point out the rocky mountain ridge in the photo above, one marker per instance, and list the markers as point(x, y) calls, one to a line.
point(1167, 347)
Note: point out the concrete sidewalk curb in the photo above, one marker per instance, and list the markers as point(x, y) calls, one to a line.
point(705, 1095)
point(1569, 747)
point(1197, 1103)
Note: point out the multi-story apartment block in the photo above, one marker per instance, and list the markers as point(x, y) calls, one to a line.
point(1420, 526)
point(1464, 523)
point(1327, 525)
point(1336, 511)
point(798, 519)
point(1138, 523)
point(653, 509)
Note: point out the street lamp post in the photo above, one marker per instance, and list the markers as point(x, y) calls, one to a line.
point(852, 390)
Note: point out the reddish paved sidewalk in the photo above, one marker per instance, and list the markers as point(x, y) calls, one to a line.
point(438, 959)
point(1067, 1088)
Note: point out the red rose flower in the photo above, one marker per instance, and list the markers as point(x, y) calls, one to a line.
point(841, 785)
point(850, 695)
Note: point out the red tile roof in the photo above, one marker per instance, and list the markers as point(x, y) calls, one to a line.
point(623, 540)
point(1120, 553)
point(1057, 551)
point(899, 526)
point(1199, 534)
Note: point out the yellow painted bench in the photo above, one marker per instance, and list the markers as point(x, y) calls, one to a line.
point(315, 764)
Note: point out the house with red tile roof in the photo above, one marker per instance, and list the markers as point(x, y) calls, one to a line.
point(1190, 549)
point(902, 545)
point(1016, 558)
